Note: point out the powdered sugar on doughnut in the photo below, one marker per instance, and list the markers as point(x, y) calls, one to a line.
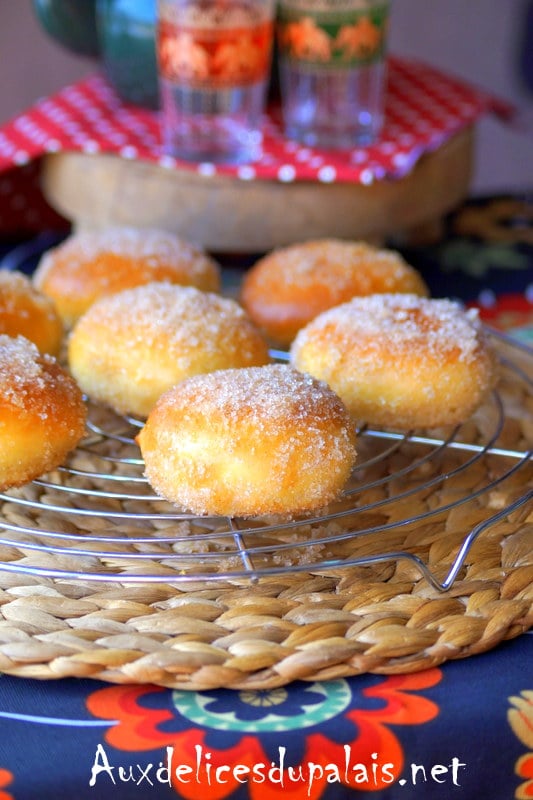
point(264, 394)
point(243, 442)
point(21, 370)
point(184, 317)
point(399, 360)
point(436, 325)
point(153, 246)
point(334, 260)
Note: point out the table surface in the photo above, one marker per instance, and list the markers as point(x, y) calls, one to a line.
point(461, 730)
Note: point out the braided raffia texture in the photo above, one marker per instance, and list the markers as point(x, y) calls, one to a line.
point(382, 618)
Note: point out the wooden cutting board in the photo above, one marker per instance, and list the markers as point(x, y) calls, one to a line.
point(228, 215)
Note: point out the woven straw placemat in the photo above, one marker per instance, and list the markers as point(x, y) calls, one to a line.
point(75, 601)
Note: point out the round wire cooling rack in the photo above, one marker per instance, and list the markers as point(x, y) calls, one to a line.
point(97, 519)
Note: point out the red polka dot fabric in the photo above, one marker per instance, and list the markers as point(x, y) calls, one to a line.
point(424, 108)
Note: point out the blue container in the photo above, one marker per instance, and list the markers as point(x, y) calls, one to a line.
point(120, 33)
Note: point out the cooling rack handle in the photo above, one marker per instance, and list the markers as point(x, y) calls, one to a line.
point(470, 539)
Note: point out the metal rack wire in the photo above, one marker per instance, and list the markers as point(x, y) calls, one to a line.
point(97, 519)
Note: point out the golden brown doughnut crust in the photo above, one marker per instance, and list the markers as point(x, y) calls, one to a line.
point(25, 311)
point(290, 286)
point(42, 414)
point(245, 442)
point(399, 361)
point(130, 347)
point(91, 264)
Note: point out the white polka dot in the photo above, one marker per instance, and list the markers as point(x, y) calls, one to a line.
point(246, 173)
point(25, 124)
point(359, 157)
point(78, 140)
point(90, 146)
point(286, 173)
point(303, 154)
point(52, 146)
point(487, 298)
point(117, 139)
point(168, 162)
point(128, 152)
point(366, 177)
point(406, 139)
point(21, 157)
point(71, 127)
point(327, 174)
point(207, 169)
point(400, 159)
point(93, 114)
point(290, 146)
point(6, 147)
point(55, 114)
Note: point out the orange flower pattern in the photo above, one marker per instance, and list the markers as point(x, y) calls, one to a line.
point(520, 718)
point(513, 311)
point(182, 57)
point(306, 41)
point(239, 60)
point(333, 38)
point(6, 778)
point(359, 41)
point(243, 730)
point(204, 58)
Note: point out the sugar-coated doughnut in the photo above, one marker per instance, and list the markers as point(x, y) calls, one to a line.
point(246, 442)
point(130, 347)
point(42, 413)
point(288, 287)
point(25, 311)
point(399, 361)
point(90, 264)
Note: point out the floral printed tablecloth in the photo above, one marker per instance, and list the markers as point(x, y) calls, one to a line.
point(462, 731)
